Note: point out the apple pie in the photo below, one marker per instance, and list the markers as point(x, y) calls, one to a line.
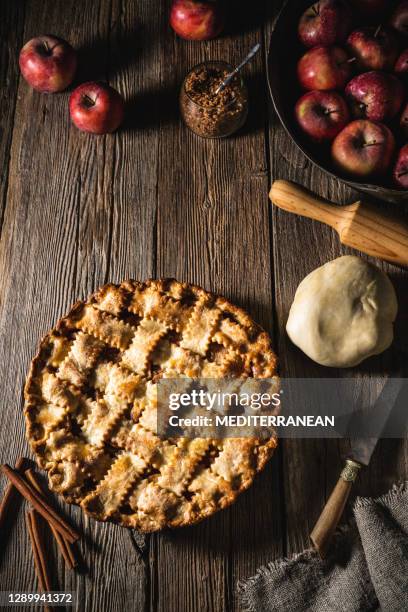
point(91, 403)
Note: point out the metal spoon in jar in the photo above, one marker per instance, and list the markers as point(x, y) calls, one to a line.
point(231, 75)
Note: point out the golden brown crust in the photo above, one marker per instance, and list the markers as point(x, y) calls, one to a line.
point(91, 402)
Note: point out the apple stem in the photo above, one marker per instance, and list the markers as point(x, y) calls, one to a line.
point(347, 61)
point(315, 9)
point(402, 173)
point(378, 30)
point(88, 100)
point(371, 144)
point(46, 47)
point(330, 112)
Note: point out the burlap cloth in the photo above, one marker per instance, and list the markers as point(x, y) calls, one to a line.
point(367, 569)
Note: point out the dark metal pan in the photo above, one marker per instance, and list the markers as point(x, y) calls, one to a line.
point(284, 53)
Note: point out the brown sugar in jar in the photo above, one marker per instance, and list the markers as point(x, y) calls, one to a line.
point(210, 114)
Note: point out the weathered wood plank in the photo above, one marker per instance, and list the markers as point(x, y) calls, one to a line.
point(37, 250)
point(212, 228)
point(80, 211)
point(311, 467)
point(11, 35)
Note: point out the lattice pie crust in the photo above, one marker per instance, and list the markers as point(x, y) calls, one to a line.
point(91, 403)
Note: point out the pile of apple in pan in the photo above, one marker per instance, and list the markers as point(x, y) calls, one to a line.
point(353, 76)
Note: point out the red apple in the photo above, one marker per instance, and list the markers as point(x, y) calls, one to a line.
point(404, 121)
point(401, 67)
point(399, 18)
point(364, 149)
point(369, 9)
point(322, 114)
point(377, 96)
point(375, 48)
point(197, 19)
point(325, 23)
point(401, 168)
point(96, 107)
point(324, 68)
point(48, 63)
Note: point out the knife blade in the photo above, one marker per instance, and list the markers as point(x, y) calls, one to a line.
point(362, 449)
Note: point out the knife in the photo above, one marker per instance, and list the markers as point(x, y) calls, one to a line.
point(360, 455)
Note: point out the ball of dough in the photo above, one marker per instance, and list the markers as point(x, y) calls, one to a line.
point(343, 313)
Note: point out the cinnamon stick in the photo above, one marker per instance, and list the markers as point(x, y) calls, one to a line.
point(8, 494)
point(37, 562)
point(40, 504)
point(40, 567)
point(63, 544)
point(65, 548)
point(35, 526)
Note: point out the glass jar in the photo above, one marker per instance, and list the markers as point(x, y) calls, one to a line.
point(207, 113)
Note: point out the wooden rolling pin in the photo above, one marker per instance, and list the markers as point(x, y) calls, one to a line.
point(361, 225)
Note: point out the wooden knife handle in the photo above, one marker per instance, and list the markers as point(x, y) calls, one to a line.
point(295, 199)
point(333, 510)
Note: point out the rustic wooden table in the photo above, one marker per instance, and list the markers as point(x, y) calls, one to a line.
point(154, 200)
